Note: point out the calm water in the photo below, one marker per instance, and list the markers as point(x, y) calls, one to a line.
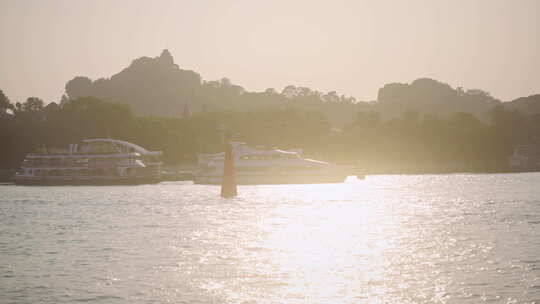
point(387, 239)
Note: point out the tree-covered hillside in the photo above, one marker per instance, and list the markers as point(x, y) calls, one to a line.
point(159, 87)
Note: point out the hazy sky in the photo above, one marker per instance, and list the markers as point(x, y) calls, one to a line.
point(353, 47)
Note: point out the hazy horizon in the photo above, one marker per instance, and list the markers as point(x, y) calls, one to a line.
point(352, 47)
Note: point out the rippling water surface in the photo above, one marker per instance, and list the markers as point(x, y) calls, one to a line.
point(386, 239)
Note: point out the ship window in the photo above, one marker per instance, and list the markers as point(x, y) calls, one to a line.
point(260, 157)
point(68, 162)
point(298, 168)
point(252, 169)
point(55, 173)
point(99, 172)
point(81, 161)
point(208, 169)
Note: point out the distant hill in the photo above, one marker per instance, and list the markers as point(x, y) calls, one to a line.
point(426, 95)
point(528, 105)
point(431, 96)
point(159, 87)
point(151, 86)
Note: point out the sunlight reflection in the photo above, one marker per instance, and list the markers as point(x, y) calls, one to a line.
point(329, 248)
point(381, 240)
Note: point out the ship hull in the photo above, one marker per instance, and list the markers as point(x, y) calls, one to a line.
point(87, 182)
point(272, 179)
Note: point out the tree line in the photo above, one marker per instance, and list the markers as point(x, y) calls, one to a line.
point(411, 142)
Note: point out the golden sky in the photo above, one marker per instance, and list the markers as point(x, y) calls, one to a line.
point(353, 47)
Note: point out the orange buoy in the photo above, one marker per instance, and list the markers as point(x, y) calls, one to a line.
point(228, 182)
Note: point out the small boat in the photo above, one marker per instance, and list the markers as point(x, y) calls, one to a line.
point(256, 166)
point(99, 161)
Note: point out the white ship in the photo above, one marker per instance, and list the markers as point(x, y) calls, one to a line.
point(268, 166)
point(100, 161)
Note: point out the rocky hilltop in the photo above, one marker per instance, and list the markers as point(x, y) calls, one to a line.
point(151, 86)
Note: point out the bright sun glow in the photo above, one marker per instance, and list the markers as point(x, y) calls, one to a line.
point(315, 251)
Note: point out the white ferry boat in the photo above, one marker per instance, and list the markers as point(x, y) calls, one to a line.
point(100, 161)
point(268, 166)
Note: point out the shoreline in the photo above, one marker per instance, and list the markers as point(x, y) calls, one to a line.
point(6, 180)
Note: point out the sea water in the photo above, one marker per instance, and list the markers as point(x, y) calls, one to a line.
point(387, 239)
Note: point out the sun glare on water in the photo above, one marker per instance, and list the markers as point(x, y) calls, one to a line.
point(327, 243)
